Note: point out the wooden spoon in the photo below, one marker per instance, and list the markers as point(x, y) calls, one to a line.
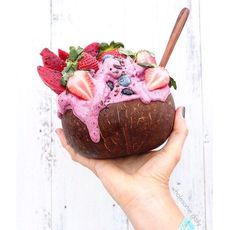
point(179, 25)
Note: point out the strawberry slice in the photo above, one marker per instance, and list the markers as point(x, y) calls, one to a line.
point(87, 62)
point(63, 54)
point(92, 49)
point(81, 84)
point(51, 60)
point(51, 78)
point(146, 58)
point(156, 78)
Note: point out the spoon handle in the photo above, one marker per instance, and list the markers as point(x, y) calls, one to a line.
point(179, 25)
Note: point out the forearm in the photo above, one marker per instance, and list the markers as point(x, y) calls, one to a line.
point(157, 213)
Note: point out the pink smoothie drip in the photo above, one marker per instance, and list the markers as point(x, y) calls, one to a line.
point(88, 110)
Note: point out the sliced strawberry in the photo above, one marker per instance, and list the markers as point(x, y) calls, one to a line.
point(51, 60)
point(87, 62)
point(63, 54)
point(51, 78)
point(156, 78)
point(114, 53)
point(81, 84)
point(144, 57)
point(92, 49)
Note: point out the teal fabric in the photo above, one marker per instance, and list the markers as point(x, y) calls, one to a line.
point(187, 225)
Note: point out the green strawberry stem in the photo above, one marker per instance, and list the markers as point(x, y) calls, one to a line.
point(76, 54)
point(127, 52)
point(71, 64)
point(172, 83)
point(106, 47)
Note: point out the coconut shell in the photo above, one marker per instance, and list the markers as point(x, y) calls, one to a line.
point(127, 128)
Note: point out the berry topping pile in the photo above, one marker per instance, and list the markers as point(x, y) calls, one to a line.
point(78, 70)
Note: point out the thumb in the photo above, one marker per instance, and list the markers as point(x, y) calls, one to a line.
point(177, 138)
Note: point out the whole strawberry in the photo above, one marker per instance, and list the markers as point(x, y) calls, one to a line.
point(92, 49)
point(87, 62)
point(78, 60)
point(110, 49)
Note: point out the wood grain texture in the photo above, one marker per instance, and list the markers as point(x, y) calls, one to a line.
point(35, 159)
point(55, 193)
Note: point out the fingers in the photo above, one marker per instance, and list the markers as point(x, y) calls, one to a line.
point(113, 178)
point(177, 138)
point(64, 143)
point(75, 156)
point(104, 169)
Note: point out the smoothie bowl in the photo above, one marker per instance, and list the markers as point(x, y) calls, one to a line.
point(112, 102)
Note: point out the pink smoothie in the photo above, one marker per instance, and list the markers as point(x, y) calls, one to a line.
point(109, 73)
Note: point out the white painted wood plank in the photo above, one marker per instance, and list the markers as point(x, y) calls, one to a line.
point(188, 182)
point(208, 93)
point(187, 71)
point(34, 159)
point(56, 193)
point(79, 200)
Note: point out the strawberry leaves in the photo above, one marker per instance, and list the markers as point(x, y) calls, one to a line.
point(71, 64)
point(107, 47)
point(172, 83)
point(127, 52)
point(88, 59)
point(75, 53)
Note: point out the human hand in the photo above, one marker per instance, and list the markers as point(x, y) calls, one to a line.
point(140, 184)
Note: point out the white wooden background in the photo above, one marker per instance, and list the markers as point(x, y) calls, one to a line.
point(54, 193)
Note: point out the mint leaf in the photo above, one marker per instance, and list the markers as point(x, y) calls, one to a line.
point(73, 54)
point(79, 57)
point(66, 69)
point(79, 50)
point(73, 67)
point(172, 83)
point(64, 79)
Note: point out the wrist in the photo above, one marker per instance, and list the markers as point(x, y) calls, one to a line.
point(154, 212)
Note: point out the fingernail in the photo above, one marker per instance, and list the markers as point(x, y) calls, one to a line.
point(183, 112)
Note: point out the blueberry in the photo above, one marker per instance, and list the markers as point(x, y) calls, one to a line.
point(124, 80)
point(107, 56)
point(110, 85)
point(127, 91)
